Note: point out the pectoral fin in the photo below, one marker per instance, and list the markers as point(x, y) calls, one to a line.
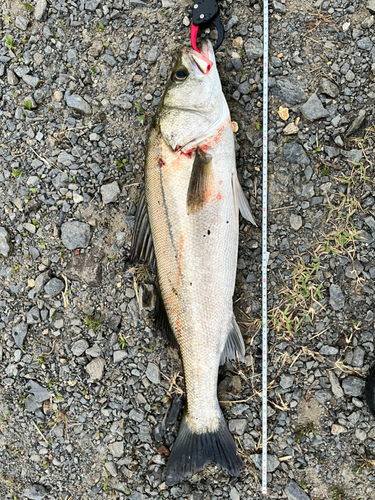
point(240, 200)
point(142, 247)
point(200, 180)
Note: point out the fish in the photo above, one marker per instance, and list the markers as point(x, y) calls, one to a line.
point(187, 224)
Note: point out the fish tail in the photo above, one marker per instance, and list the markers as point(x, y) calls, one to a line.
point(191, 451)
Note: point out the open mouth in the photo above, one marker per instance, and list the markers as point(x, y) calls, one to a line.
point(201, 61)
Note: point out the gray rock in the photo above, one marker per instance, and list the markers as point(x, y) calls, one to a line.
point(29, 227)
point(19, 333)
point(232, 22)
point(40, 281)
point(31, 403)
point(152, 55)
point(365, 43)
point(123, 102)
point(96, 48)
point(313, 109)
point(368, 22)
point(371, 6)
point(83, 268)
point(117, 449)
point(337, 299)
point(61, 180)
point(33, 81)
point(40, 393)
point(75, 235)
point(353, 272)
point(118, 356)
point(295, 222)
point(33, 316)
point(77, 103)
point(72, 56)
point(91, 5)
point(254, 48)
point(279, 7)
point(111, 468)
point(110, 192)
point(20, 71)
point(5, 244)
point(328, 350)
point(290, 92)
point(144, 434)
point(136, 415)
point(79, 347)
point(360, 434)
point(294, 492)
point(115, 322)
point(135, 44)
point(11, 78)
point(94, 351)
point(152, 373)
point(54, 287)
point(286, 381)
point(95, 368)
point(356, 123)
point(233, 494)
point(40, 9)
point(354, 155)
point(110, 60)
point(35, 492)
point(21, 23)
point(238, 426)
point(294, 153)
point(358, 356)
point(66, 159)
point(370, 221)
point(323, 396)
point(272, 462)
point(329, 88)
point(353, 386)
point(335, 385)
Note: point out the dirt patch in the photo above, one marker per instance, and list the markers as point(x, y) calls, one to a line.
point(309, 412)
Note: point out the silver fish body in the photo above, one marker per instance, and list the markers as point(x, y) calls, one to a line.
point(193, 199)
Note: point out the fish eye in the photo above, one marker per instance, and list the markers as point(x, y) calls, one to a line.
point(180, 75)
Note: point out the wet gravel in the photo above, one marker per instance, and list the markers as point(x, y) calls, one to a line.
point(90, 392)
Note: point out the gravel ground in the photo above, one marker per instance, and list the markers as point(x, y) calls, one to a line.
point(90, 392)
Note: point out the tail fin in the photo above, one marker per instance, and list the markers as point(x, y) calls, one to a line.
point(192, 451)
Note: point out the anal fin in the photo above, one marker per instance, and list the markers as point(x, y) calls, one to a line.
point(234, 344)
point(240, 200)
point(142, 248)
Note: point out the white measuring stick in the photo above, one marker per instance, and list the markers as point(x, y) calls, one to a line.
point(264, 248)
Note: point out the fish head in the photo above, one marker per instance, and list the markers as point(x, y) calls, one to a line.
point(193, 106)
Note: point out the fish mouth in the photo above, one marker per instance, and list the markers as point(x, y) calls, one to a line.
point(201, 61)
